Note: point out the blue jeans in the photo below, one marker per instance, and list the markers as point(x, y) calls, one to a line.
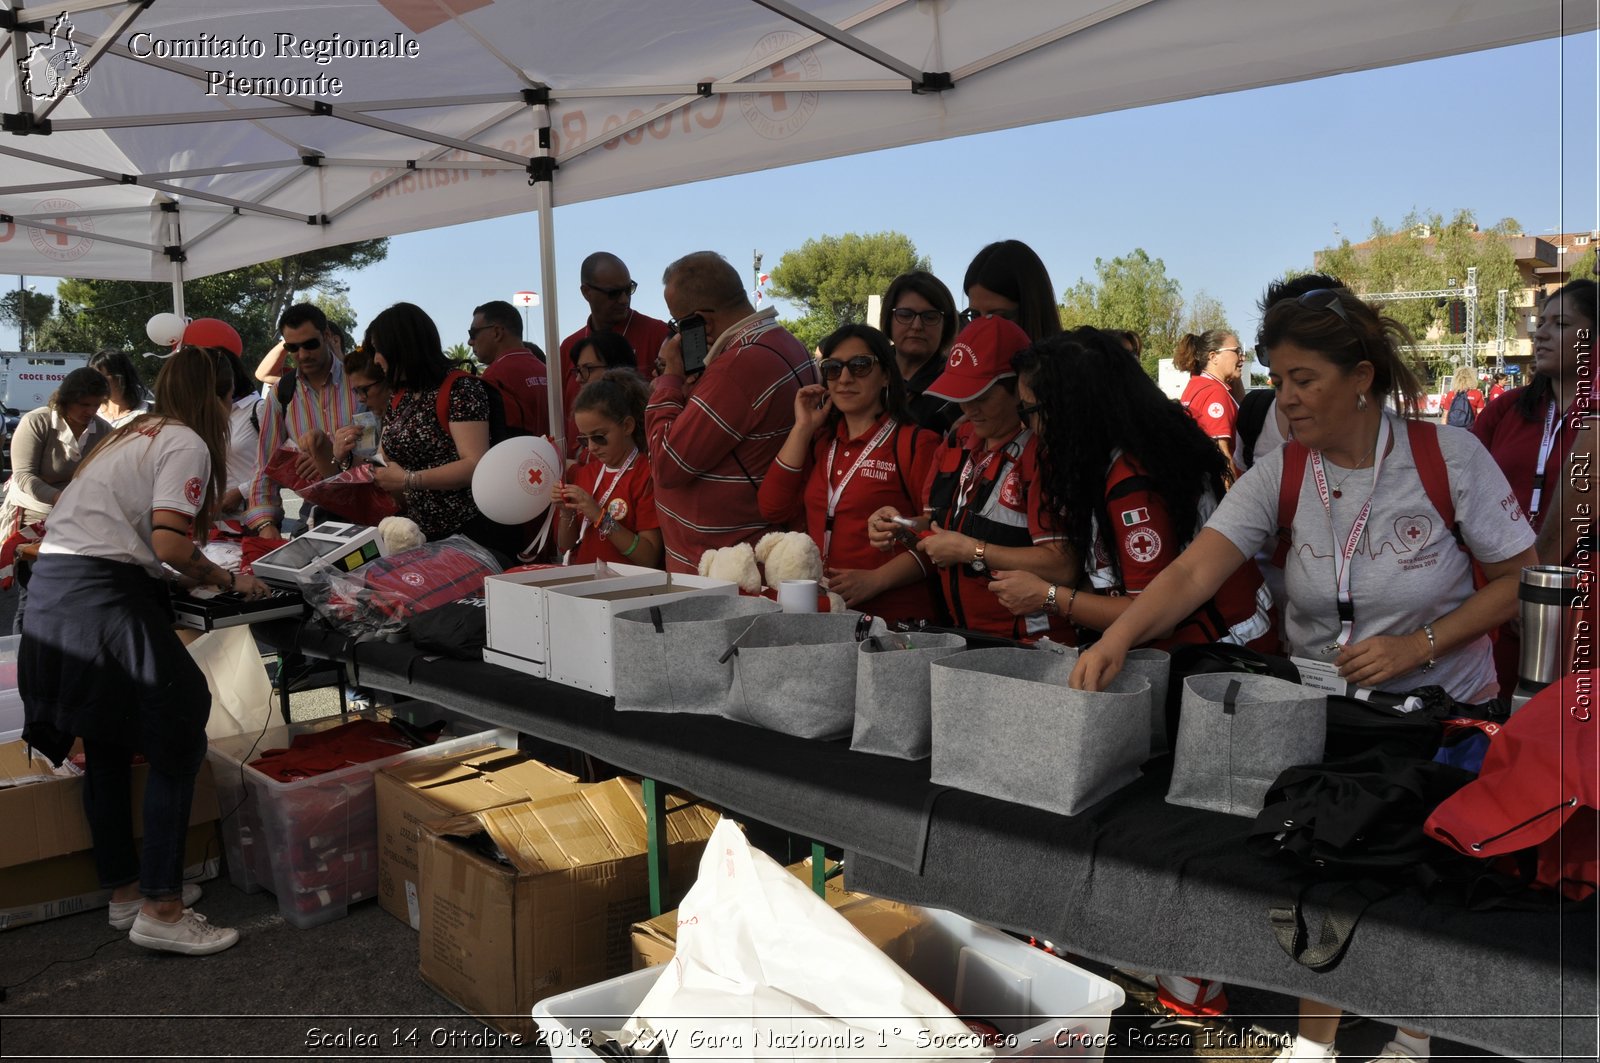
point(108, 803)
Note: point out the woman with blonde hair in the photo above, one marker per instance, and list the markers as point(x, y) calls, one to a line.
point(1463, 387)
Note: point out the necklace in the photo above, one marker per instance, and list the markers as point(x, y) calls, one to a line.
point(1340, 494)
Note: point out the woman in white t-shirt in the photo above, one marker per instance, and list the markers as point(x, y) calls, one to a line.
point(1376, 584)
point(99, 660)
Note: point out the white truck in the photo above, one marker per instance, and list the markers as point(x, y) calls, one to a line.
point(27, 380)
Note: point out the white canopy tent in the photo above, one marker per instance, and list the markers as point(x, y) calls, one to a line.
point(150, 139)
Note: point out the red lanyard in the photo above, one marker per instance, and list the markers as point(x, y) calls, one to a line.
point(836, 493)
point(1347, 610)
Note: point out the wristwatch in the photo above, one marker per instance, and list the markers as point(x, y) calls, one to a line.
point(1050, 600)
point(978, 564)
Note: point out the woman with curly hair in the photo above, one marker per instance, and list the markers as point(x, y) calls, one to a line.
point(1129, 478)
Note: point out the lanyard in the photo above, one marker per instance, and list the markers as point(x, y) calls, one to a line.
point(603, 499)
point(1546, 444)
point(1347, 609)
point(969, 476)
point(836, 493)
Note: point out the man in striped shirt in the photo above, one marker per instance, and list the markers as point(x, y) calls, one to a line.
point(714, 432)
point(313, 396)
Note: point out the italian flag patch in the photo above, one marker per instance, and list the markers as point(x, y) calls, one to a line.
point(1130, 517)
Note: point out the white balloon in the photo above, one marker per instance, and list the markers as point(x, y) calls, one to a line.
point(516, 479)
point(165, 329)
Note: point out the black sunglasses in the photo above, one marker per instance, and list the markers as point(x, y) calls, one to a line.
point(598, 439)
point(1026, 410)
point(614, 293)
point(969, 315)
point(583, 371)
point(1316, 299)
point(473, 330)
point(905, 315)
point(859, 366)
point(314, 343)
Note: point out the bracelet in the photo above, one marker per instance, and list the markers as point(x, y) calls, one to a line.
point(1050, 600)
point(411, 480)
point(632, 546)
point(1070, 599)
point(608, 526)
point(1427, 629)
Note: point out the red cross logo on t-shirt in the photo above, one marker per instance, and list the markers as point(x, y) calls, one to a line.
point(1413, 532)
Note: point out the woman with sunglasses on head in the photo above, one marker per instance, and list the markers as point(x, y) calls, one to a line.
point(1378, 588)
point(608, 503)
point(1006, 279)
point(981, 503)
point(1129, 479)
point(854, 450)
point(919, 317)
point(1214, 360)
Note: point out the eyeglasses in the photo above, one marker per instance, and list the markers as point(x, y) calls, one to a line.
point(312, 344)
point(473, 330)
point(1026, 410)
point(598, 439)
point(969, 315)
point(583, 371)
point(613, 293)
point(859, 366)
point(1227, 350)
point(360, 390)
point(905, 315)
point(1316, 299)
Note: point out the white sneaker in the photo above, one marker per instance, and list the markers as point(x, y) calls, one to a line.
point(191, 935)
point(1395, 1052)
point(122, 912)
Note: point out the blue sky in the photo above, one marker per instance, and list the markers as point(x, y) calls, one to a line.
point(1229, 190)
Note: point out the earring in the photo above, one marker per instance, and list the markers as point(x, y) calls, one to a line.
point(1361, 401)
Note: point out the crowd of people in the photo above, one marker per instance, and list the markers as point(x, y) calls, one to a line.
point(982, 469)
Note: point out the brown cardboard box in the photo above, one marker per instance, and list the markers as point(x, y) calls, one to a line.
point(441, 788)
point(882, 922)
point(497, 938)
point(45, 866)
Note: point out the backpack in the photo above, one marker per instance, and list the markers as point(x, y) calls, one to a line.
point(1461, 414)
point(498, 429)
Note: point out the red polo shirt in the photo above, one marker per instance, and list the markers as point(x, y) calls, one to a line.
point(644, 334)
point(524, 383)
point(1212, 406)
point(632, 502)
point(889, 474)
point(1513, 441)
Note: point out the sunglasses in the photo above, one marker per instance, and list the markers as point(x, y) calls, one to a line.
point(1026, 410)
point(905, 315)
point(473, 330)
point(969, 315)
point(1229, 350)
point(859, 366)
point(614, 293)
point(1316, 299)
point(598, 439)
point(314, 343)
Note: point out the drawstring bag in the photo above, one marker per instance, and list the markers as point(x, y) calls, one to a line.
point(1236, 734)
point(894, 692)
point(670, 657)
point(1005, 724)
point(795, 673)
point(1155, 666)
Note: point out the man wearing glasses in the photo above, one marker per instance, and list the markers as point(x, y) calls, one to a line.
point(519, 372)
point(312, 396)
point(714, 430)
point(608, 289)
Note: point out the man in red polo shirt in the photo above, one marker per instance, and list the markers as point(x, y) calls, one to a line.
point(608, 288)
point(517, 372)
point(713, 433)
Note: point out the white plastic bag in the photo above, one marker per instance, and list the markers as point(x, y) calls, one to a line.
point(241, 694)
point(765, 970)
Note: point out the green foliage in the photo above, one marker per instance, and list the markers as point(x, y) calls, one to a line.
point(1583, 268)
point(95, 314)
point(830, 278)
point(1131, 293)
point(461, 357)
point(28, 310)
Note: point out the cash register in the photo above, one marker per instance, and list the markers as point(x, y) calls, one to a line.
point(286, 570)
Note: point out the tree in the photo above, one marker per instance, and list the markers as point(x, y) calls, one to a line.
point(94, 314)
point(830, 278)
point(1131, 293)
point(27, 310)
point(1206, 312)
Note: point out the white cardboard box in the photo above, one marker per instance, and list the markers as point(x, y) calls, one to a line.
point(515, 603)
point(579, 618)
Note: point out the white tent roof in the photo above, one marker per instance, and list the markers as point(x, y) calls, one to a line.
point(141, 107)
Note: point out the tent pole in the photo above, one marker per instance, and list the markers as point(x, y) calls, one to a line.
point(552, 329)
point(174, 251)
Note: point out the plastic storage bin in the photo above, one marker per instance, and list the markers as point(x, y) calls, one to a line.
point(1044, 1005)
point(10, 700)
point(312, 842)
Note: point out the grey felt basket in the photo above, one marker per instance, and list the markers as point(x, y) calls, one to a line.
point(1236, 734)
point(1156, 666)
point(795, 673)
point(1006, 724)
point(894, 692)
point(669, 657)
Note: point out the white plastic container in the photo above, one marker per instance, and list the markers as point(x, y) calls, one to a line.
point(10, 699)
point(579, 619)
point(518, 630)
point(1043, 1005)
point(312, 842)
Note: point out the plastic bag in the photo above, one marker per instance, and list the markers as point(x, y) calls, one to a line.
point(379, 598)
point(241, 693)
point(351, 495)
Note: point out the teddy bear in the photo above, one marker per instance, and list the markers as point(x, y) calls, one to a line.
point(777, 556)
point(396, 535)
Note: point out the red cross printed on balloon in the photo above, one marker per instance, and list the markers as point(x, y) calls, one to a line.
point(536, 476)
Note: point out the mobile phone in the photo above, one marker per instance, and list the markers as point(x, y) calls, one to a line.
point(905, 530)
point(692, 330)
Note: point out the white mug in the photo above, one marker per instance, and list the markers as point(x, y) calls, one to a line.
point(798, 595)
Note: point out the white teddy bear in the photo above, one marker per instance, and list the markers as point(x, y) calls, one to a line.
point(396, 535)
point(779, 555)
point(736, 564)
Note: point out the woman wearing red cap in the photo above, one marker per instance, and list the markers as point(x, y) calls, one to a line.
point(980, 504)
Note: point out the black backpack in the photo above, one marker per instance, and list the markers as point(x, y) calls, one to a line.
point(1461, 414)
